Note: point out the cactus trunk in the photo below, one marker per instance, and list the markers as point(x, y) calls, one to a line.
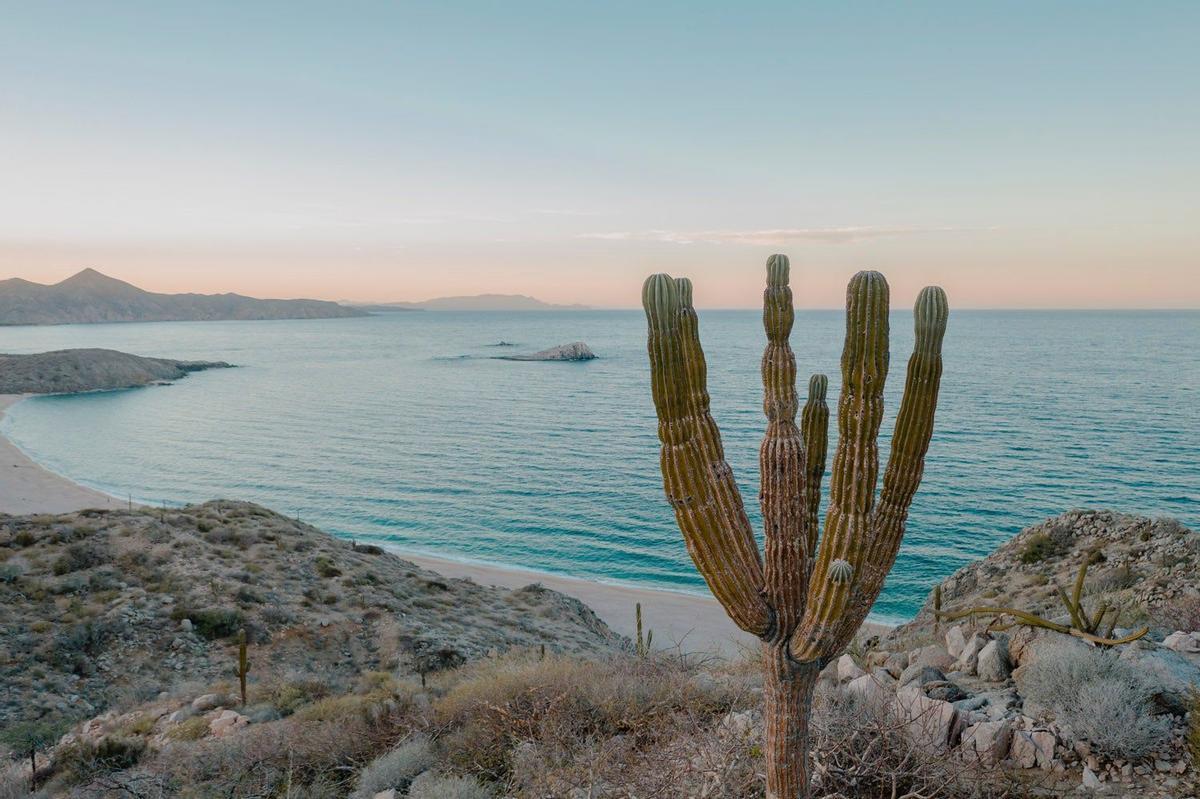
point(807, 594)
point(787, 702)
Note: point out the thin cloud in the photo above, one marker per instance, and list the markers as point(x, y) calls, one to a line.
point(564, 212)
point(770, 236)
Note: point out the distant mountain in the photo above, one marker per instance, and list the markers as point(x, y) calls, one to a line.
point(476, 302)
point(92, 297)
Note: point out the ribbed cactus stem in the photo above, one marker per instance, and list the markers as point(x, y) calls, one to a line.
point(243, 667)
point(855, 466)
point(698, 482)
point(814, 427)
point(781, 459)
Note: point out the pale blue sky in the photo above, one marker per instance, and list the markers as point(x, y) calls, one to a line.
point(1022, 154)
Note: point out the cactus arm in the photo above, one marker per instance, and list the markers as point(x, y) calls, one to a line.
point(906, 462)
point(1077, 618)
point(781, 459)
point(815, 429)
point(855, 468)
point(698, 482)
point(1077, 592)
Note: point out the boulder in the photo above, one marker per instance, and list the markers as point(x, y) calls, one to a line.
point(1183, 642)
point(932, 655)
point(895, 664)
point(1033, 748)
point(968, 659)
point(931, 724)
point(1090, 780)
point(1171, 674)
point(956, 641)
point(847, 669)
point(390, 793)
point(993, 663)
point(227, 722)
point(870, 689)
point(944, 690)
point(988, 741)
point(920, 675)
point(207, 702)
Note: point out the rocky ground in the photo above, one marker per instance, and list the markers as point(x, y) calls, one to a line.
point(109, 608)
point(372, 679)
point(70, 371)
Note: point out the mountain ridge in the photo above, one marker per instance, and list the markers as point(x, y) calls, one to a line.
point(474, 302)
point(90, 296)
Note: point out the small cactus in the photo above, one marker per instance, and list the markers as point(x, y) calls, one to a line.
point(841, 572)
point(243, 666)
point(1083, 624)
point(643, 644)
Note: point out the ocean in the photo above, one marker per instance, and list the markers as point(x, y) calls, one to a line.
point(401, 428)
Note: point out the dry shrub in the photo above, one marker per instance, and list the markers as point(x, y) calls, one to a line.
point(564, 705)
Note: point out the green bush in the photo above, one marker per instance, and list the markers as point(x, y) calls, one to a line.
point(1037, 548)
point(77, 557)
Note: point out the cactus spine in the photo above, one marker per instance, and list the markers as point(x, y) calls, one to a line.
point(243, 666)
point(807, 593)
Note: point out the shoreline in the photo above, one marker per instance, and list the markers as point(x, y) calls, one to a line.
point(690, 622)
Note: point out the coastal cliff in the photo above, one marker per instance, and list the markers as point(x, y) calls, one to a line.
point(72, 371)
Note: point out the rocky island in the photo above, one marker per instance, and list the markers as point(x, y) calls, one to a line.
point(72, 371)
point(577, 351)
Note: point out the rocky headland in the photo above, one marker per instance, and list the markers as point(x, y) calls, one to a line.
point(72, 371)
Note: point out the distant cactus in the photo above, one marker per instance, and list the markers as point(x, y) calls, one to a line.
point(243, 666)
point(937, 606)
point(808, 594)
point(1083, 624)
point(643, 645)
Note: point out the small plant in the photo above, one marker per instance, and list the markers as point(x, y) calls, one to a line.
point(243, 666)
point(192, 729)
point(212, 623)
point(30, 737)
point(395, 769)
point(325, 567)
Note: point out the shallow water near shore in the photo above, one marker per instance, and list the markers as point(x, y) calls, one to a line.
point(377, 428)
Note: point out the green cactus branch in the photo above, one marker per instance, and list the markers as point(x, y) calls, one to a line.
point(1033, 620)
point(809, 591)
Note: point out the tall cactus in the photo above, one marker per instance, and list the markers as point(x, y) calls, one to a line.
point(807, 594)
point(243, 665)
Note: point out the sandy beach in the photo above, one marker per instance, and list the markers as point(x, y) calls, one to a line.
point(26, 487)
point(693, 623)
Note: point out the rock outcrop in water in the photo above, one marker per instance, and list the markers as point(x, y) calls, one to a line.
point(577, 351)
point(92, 297)
point(71, 371)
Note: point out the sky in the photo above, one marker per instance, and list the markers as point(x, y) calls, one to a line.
point(1020, 154)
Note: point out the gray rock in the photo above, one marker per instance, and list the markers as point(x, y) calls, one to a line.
point(968, 660)
point(1182, 642)
point(931, 655)
point(955, 641)
point(847, 669)
point(932, 724)
point(993, 664)
point(207, 702)
point(870, 689)
point(1090, 780)
point(989, 741)
point(944, 690)
point(1033, 748)
point(920, 675)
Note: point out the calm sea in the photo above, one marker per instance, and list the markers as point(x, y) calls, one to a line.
point(399, 428)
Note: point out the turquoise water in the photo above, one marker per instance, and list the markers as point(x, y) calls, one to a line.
point(379, 429)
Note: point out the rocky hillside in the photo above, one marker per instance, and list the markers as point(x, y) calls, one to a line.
point(92, 297)
point(107, 608)
point(70, 371)
point(1136, 565)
